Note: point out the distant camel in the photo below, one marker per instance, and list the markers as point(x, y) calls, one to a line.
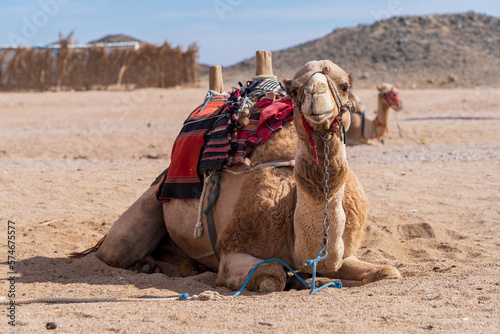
point(364, 129)
point(287, 213)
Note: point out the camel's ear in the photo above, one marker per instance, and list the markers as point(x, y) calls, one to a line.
point(379, 87)
point(291, 91)
point(351, 79)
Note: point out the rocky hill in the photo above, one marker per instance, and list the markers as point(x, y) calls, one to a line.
point(115, 39)
point(455, 50)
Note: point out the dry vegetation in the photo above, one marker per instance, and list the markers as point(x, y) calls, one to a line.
point(98, 68)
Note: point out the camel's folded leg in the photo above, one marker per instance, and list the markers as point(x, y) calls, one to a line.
point(136, 233)
point(234, 269)
point(167, 251)
point(355, 272)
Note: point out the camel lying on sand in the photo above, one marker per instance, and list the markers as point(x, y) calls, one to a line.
point(363, 130)
point(275, 212)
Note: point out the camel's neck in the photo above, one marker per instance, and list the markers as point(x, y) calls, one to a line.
point(309, 213)
point(310, 176)
point(381, 122)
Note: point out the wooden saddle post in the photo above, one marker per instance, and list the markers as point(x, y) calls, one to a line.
point(264, 63)
point(215, 81)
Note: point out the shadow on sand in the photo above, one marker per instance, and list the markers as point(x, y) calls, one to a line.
point(91, 270)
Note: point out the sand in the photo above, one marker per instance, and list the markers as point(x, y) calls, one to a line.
point(72, 162)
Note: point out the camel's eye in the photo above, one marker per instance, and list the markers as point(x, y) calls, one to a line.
point(344, 87)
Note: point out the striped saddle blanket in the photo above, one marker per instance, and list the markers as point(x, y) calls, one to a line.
point(210, 139)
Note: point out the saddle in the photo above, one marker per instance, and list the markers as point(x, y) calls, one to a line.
point(213, 139)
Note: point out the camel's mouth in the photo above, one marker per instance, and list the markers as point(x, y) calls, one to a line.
point(398, 106)
point(313, 118)
point(393, 100)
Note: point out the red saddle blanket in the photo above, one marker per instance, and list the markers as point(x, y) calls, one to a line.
point(269, 115)
point(183, 179)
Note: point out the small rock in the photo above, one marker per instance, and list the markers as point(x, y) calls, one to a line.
point(265, 323)
point(51, 325)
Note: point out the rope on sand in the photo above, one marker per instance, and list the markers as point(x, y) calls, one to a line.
point(65, 300)
point(402, 132)
point(206, 295)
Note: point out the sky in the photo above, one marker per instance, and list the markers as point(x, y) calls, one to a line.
point(226, 31)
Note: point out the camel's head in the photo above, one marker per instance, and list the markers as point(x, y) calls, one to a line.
point(390, 96)
point(320, 92)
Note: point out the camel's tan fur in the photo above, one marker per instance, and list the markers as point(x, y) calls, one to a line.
point(371, 132)
point(271, 212)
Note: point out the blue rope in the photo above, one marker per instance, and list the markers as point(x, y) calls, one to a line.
point(257, 266)
point(311, 263)
point(208, 97)
point(184, 296)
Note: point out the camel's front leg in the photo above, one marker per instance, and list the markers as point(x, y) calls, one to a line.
point(234, 269)
point(355, 272)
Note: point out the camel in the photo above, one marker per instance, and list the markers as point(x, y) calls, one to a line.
point(363, 130)
point(269, 212)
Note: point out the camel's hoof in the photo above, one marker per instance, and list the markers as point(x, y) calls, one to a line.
point(146, 269)
point(269, 277)
point(188, 268)
point(386, 272)
point(146, 265)
point(293, 283)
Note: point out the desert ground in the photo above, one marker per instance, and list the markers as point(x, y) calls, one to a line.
point(72, 162)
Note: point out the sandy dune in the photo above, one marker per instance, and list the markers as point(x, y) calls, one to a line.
point(71, 163)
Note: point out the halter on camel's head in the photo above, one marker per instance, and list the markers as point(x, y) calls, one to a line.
point(316, 108)
point(390, 94)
